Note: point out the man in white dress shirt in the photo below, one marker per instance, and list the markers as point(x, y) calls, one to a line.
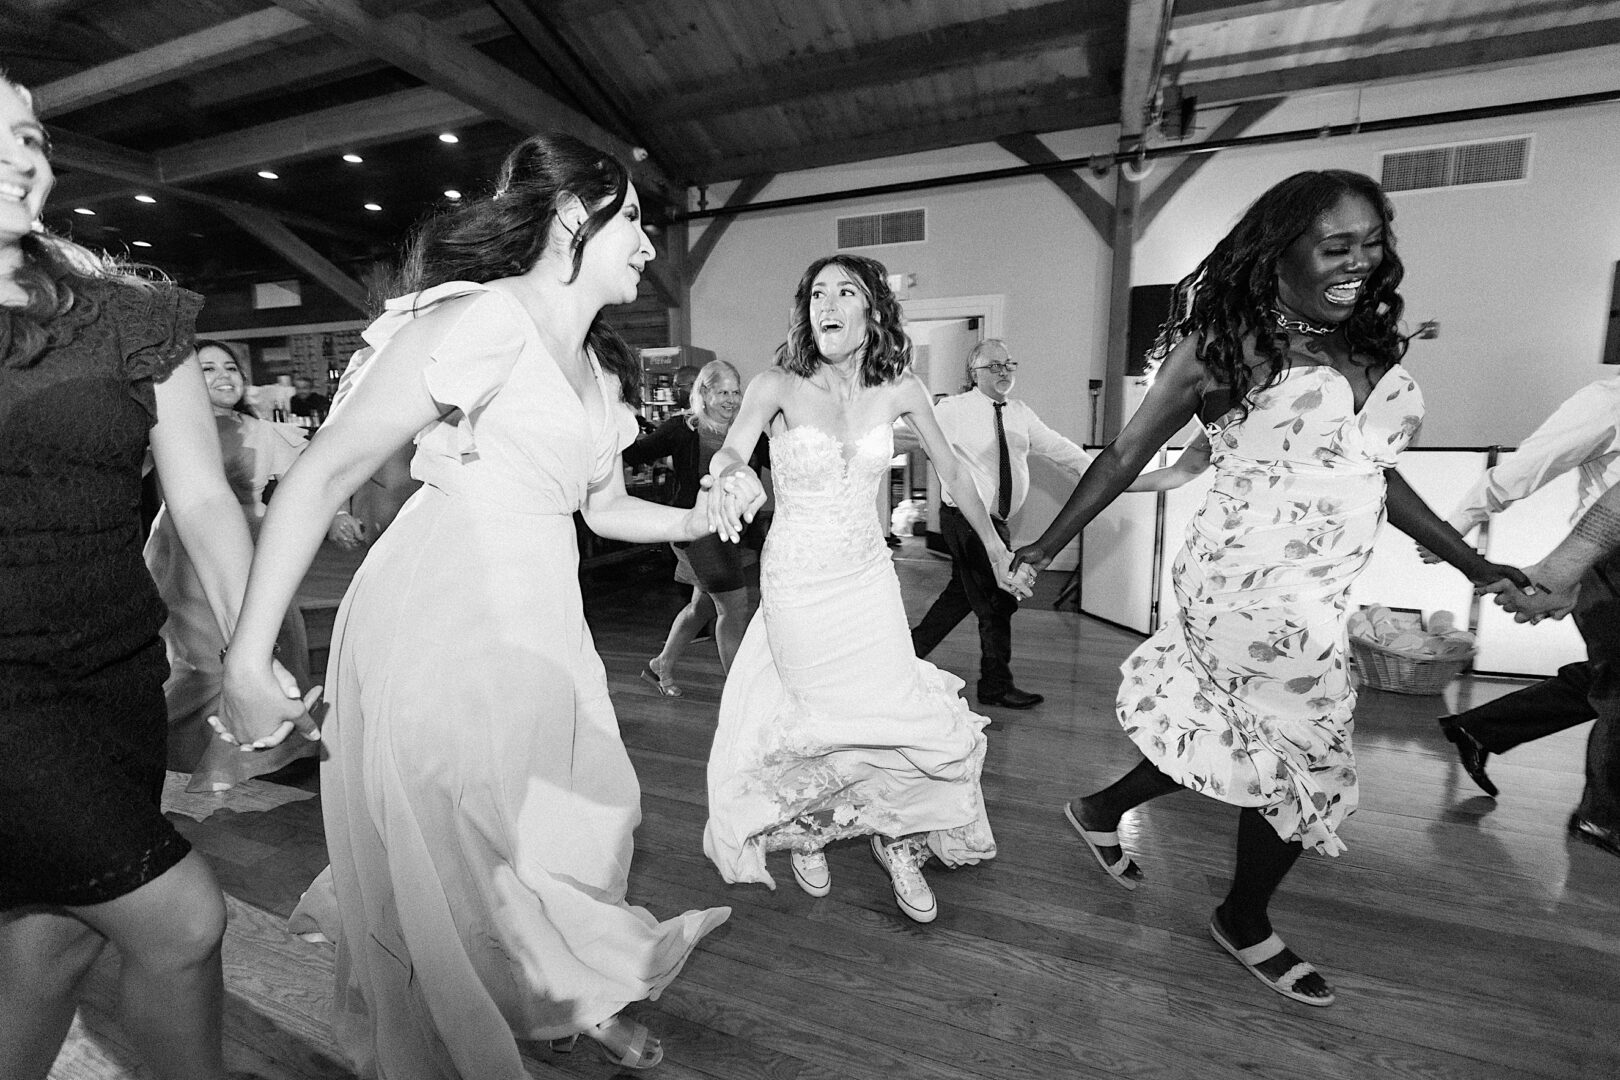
point(1583, 434)
point(994, 437)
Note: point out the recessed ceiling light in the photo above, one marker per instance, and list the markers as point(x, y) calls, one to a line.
point(268, 175)
point(353, 159)
point(140, 243)
point(372, 206)
point(85, 210)
point(145, 199)
point(448, 137)
point(452, 194)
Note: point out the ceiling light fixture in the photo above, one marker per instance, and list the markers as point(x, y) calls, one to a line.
point(140, 243)
point(145, 199)
point(268, 175)
point(353, 159)
point(452, 194)
point(372, 206)
point(449, 137)
point(85, 210)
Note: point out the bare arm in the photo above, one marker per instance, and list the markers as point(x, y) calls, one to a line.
point(382, 413)
point(1173, 400)
point(185, 449)
point(742, 490)
point(612, 512)
point(1192, 462)
point(1410, 514)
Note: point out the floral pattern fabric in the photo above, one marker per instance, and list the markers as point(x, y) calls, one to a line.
point(1244, 694)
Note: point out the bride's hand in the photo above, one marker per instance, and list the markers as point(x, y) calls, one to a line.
point(1020, 582)
point(743, 494)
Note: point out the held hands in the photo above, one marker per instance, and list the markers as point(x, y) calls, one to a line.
point(740, 495)
point(347, 531)
point(1017, 580)
point(260, 709)
point(1032, 556)
point(1553, 599)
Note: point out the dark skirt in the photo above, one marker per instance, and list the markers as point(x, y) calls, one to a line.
point(710, 564)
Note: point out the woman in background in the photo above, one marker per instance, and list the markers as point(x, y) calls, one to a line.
point(479, 802)
point(254, 451)
point(714, 568)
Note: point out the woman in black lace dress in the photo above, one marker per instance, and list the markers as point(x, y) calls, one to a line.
point(93, 371)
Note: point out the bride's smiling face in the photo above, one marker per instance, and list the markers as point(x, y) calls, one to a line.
point(839, 314)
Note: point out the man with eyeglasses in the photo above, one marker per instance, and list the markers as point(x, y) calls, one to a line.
point(994, 437)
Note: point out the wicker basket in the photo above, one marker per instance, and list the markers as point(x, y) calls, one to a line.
point(1400, 673)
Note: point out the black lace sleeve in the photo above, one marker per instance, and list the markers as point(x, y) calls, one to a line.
point(155, 325)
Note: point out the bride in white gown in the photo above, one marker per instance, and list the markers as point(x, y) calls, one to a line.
point(830, 727)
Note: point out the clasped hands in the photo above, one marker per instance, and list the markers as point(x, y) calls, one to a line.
point(260, 709)
point(728, 502)
point(1546, 594)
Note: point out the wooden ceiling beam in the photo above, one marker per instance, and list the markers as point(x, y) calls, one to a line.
point(236, 39)
point(1092, 206)
point(1050, 26)
point(413, 44)
point(275, 235)
point(745, 193)
point(1238, 122)
point(1202, 12)
point(1058, 107)
point(1476, 54)
point(343, 127)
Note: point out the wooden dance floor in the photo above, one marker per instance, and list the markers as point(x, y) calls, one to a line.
point(1466, 938)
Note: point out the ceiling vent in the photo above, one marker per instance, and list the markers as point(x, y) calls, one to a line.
point(870, 230)
point(1498, 161)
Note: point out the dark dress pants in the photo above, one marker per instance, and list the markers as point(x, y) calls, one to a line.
point(972, 588)
point(1578, 693)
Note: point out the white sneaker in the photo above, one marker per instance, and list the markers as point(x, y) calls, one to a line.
point(811, 872)
point(903, 861)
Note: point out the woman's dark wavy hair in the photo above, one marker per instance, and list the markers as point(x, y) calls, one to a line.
point(887, 352)
point(503, 234)
point(1230, 299)
point(58, 277)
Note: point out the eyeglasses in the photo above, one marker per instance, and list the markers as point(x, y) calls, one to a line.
point(1006, 367)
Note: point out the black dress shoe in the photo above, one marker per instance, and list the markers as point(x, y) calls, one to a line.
point(1470, 753)
point(1011, 698)
point(1595, 834)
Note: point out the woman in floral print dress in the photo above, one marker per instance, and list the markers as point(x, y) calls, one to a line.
point(1284, 342)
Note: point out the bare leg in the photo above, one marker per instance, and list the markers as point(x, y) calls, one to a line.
point(733, 613)
point(44, 953)
point(688, 621)
point(171, 989)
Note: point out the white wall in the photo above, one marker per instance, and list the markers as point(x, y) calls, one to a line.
point(1518, 275)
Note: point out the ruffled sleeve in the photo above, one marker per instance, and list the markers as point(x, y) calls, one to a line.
point(155, 326)
point(472, 360)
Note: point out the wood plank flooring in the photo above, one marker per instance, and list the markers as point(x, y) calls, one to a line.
point(1467, 938)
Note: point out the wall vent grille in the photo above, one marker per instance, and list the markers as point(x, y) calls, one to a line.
point(1498, 161)
point(871, 230)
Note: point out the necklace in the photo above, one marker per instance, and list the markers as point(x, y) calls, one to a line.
point(1300, 325)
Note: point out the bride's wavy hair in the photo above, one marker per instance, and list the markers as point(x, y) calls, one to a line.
point(56, 276)
point(887, 352)
point(1230, 300)
point(503, 234)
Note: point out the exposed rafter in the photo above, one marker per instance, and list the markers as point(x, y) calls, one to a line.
point(745, 192)
point(1241, 119)
point(1057, 107)
point(246, 36)
point(1092, 206)
point(412, 43)
point(1002, 37)
point(284, 242)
